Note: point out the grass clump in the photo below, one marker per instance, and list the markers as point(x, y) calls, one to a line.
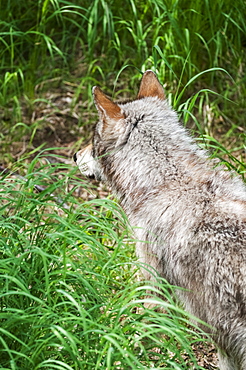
point(68, 299)
point(53, 51)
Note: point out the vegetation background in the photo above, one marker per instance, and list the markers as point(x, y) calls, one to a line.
point(69, 297)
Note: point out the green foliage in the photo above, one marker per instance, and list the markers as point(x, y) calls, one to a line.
point(68, 299)
point(47, 43)
point(174, 36)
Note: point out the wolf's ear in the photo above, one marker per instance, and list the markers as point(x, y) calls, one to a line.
point(107, 108)
point(150, 86)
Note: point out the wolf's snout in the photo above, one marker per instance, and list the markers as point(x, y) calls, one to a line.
point(75, 157)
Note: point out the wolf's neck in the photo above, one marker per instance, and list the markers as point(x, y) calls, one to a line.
point(137, 180)
point(134, 170)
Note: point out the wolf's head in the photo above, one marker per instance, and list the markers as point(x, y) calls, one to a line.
point(118, 125)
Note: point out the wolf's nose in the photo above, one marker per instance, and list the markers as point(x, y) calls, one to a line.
point(75, 157)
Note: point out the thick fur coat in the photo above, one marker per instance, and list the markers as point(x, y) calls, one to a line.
point(192, 216)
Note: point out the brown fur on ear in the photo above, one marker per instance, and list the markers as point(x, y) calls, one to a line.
point(105, 106)
point(150, 86)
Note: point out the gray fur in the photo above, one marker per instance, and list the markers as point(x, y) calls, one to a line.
point(192, 215)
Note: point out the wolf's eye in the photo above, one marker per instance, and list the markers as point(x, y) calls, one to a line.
point(84, 167)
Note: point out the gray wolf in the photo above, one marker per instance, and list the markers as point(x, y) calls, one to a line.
point(192, 215)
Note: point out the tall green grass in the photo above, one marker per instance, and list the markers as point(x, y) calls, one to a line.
point(197, 49)
point(69, 298)
point(45, 39)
